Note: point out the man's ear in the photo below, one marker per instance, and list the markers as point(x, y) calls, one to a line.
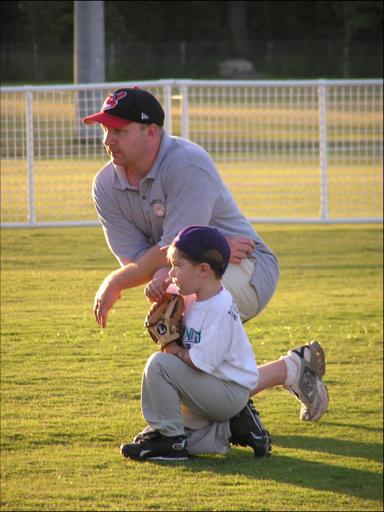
point(152, 130)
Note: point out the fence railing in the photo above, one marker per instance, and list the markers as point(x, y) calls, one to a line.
point(290, 151)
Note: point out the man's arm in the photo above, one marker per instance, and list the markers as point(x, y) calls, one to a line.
point(132, 275)
point(125, 240)
point(194, 196)
point(241, 247)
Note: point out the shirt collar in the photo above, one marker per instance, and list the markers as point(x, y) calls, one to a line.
point(123, 182)
point(164, 145)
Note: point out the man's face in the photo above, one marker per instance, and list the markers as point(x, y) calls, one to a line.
point(126, 145)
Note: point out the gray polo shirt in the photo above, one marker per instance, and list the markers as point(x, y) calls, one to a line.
point(183, 187)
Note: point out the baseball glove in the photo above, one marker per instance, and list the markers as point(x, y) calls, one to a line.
point(164, 320)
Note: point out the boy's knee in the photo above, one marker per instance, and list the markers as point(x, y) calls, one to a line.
point(156, 361)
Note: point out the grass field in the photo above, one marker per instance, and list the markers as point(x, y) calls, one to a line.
point(71, 392)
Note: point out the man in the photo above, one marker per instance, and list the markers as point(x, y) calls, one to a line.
point(155, 185)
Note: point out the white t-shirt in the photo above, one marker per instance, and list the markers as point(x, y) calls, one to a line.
point(217, 341)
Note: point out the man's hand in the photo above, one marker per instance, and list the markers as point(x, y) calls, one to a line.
point(134, 274)
point(107, 294)
point(241, 247)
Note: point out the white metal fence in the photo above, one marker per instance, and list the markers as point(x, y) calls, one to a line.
point(290, 151)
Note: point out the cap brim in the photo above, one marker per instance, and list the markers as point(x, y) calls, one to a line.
point(106, 119)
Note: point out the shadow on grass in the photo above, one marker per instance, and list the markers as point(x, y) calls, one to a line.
point(319, 476)
point(370, 451)
point(367, 428)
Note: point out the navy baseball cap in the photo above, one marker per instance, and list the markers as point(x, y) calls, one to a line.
point(126, 106)
point(199, 242)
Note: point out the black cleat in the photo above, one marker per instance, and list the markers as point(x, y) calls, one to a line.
point(155, 446)
point(247, 430)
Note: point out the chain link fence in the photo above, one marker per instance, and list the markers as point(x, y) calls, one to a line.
point(290, 151)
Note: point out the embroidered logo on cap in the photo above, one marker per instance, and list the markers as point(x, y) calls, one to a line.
point(113, 100)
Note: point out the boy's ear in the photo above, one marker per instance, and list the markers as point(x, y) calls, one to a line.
point(205, 268)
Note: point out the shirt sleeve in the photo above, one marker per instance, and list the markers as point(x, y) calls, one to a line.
point(191, 197)
point(122, 236)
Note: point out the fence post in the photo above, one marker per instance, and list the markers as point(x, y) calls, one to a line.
point(184, 112)
point(323, 150)
point(168, 108)
point(31, 160)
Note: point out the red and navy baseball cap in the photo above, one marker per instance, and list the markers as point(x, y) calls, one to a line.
point(204, 244)
point(126, 106)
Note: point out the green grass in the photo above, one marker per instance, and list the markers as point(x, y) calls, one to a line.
point(71, 392)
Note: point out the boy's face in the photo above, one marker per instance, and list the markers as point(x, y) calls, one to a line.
point(184, 274)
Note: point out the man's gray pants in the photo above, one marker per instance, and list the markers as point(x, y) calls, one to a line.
point(177, 399)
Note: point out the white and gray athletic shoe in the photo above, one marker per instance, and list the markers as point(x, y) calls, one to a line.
point(308, 387)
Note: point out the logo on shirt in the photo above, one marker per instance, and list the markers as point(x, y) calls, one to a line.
point(191, 336)
point(159, 208)
point(233, 312)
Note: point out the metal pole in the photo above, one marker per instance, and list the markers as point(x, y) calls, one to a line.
point(89, 42)
point(168, 108)
point(184, 112)
point(88, 59)
point(323, 150)
point(30, 159)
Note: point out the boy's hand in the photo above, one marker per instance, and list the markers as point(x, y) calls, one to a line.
point(155, 289)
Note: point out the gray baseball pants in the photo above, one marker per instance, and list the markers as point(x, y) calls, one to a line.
point(177, 399)
point(237, 281)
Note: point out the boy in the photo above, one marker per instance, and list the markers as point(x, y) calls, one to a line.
point(195, 397)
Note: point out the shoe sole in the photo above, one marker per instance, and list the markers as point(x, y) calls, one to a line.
point(156, 457)
point(164, 459)
point(323, 392)
point(317, 359)
point(168, 459)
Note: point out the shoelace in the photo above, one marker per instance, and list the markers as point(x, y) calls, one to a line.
point(253, 408)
